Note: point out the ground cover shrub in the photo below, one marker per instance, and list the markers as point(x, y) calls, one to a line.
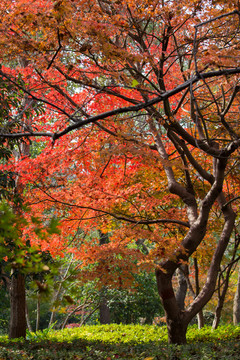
point(113, 333)
point(122, 342)
point(206, 334)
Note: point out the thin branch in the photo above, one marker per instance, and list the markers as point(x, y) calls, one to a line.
point(56, 53)
point(119, 217)
point(217, 18)
point(149, 103)
point(122, 110)
point(34, 97)
point(27, 134)
point(205, 23)
point(202, 172)
point(230, 201)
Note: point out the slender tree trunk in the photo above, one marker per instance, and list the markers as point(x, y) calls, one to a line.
point(223, 285)
point(58, 295)
point(182, 274)
point(84, 320)
point(52, 318)
point(104, 316)
point(38, 312)
point(200, 318)
point(27, 319)
point(217, 315)
point(236, 304)
point(221, 298)
point(17, 307)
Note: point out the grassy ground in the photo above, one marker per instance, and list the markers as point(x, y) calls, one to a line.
point(122, 342)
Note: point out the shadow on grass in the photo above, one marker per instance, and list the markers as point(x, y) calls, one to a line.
point(96, 350)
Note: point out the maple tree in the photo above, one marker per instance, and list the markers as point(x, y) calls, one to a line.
point(153, 89)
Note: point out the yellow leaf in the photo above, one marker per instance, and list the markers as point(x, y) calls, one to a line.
point(134, 83)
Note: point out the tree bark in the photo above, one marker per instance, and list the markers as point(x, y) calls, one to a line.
point(177, 330)
point(18, 322)
point(182, 286)
point(176, 324)
point(177, 319)
point(104, 317)
point(217, 315)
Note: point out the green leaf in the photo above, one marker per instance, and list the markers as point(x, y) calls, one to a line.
point(53, 226)
point(134, 83)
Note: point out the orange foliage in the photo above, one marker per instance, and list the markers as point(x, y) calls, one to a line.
point(86, 58)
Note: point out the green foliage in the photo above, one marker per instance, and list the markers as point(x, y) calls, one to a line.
point(62, 293)
point(10, 98)
point(122, 342)
point(14, 253)
point(4, 309)
point(13, 108)
point(7, 182)
point(142, 301)
point(40, 334)
point(5, 153)
point(12, 105)
point(7, 177)
point(113, 333)
point(206, 334)
point(9, 224)
point(42, 231)
point(53, 226)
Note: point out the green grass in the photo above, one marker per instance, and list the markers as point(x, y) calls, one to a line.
point(122, 342)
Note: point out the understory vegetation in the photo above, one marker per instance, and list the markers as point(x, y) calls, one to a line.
point(109, 342)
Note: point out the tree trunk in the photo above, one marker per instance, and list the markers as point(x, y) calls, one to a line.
point(104, 310)
point(28, 319)
point(104, 317)
point(176, 324)
point(200, 318)
point(223, 287)
point(221, 298)
point(59, 293)
point(38, 311)
point(182, 286)
point(236, 304)
point(217, 316)
point(177, 330)
point(18, 322)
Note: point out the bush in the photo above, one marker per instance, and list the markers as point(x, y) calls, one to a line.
point(141, 304)
point(122, 342)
